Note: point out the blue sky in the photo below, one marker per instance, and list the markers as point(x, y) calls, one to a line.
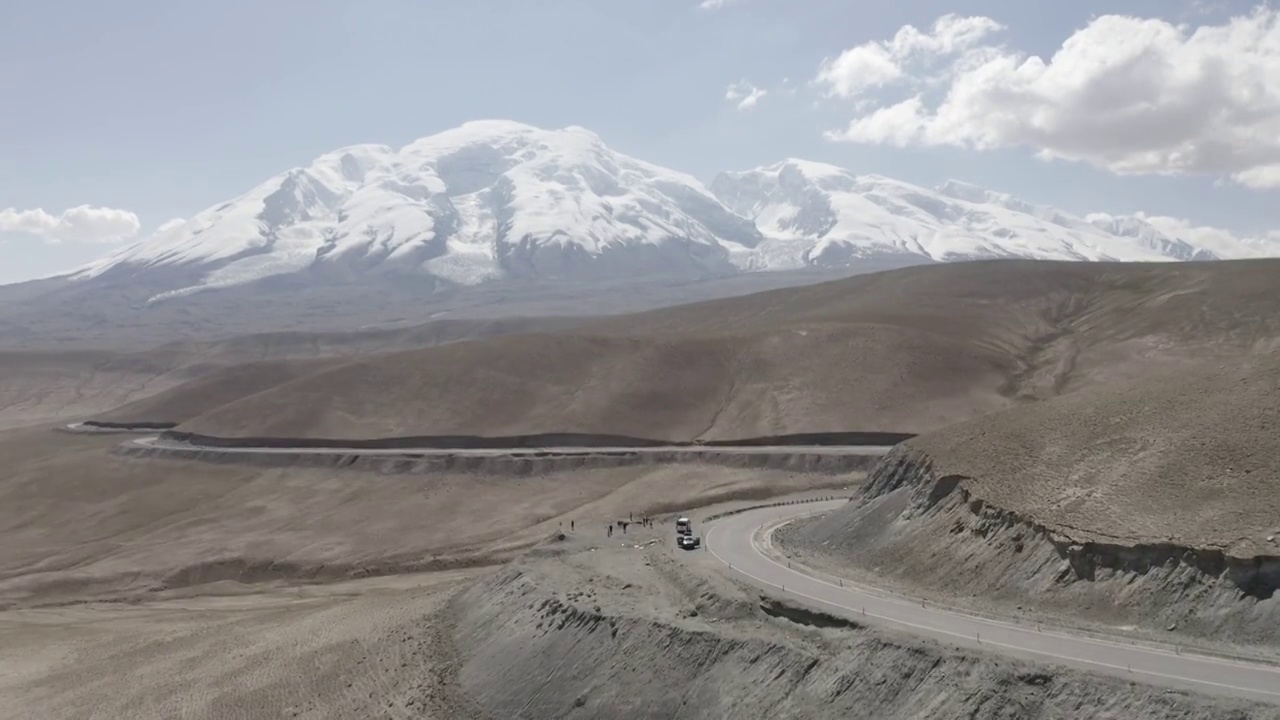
point(164, 108)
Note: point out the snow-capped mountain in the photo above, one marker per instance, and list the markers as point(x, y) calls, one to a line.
point(486, 200)
point(500, 200)
point(814, 214)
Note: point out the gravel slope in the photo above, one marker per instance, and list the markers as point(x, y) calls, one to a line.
point(1148, 507)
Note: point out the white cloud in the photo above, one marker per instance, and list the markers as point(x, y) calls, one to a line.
point(859, 69)
point(77, 224)
point(1131, 95)
point(744, 94)
point(876, 64)
point(715, 4)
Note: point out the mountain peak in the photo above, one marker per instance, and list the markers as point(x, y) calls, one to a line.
point(961, 190)
point(499, 199)
point(488, 199)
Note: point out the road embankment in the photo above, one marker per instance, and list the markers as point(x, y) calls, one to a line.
point(535, 441)
point(513, 462)
point(933, 533)
point(635, 632)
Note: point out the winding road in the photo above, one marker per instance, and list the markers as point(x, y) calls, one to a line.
point(742, 541)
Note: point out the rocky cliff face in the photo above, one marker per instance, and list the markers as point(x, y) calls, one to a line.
point(930, 530)
point(551, 637)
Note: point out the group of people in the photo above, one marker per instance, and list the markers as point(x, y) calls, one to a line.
point(645, 521)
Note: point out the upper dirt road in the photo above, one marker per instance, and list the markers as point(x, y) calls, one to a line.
point(740, 541)
point(158, 442)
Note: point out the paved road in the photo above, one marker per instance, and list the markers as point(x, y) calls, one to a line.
point(740, 540)
point(158, 442)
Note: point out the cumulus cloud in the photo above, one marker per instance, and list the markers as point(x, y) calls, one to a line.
point(745, 95)
point(78, 224)
point(715, 4)
point(876, 64)
point(1131, 95)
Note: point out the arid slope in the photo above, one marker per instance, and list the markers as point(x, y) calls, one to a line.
point(42, 385)
point(908, 350)
point(77, 522)
point(1187, 457)
point(1149, 505)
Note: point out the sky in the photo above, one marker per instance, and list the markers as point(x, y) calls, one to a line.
point(116, 118)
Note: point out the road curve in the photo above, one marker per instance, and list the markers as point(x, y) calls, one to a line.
point(739, 541)
point(157, 442)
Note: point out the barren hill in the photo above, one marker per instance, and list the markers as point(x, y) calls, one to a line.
point(1188, 457)
point(906, 350)
point(43, 385)
point(1149, 504)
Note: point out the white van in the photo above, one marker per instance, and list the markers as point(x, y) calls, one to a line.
point(684, 526)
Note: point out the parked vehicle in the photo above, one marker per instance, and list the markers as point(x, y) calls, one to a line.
point(688, 542)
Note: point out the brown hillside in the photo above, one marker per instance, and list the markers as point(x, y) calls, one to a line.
point(908, 350)
point(1189, 457)
point(44, 385)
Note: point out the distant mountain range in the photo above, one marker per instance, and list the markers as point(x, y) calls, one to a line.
point(496, 200)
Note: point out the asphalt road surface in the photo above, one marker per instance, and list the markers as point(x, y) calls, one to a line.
point(740, 541)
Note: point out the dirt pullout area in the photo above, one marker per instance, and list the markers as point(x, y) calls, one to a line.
point(631, 628)
point(922, 530)
point(78, 523)
point(367, 649)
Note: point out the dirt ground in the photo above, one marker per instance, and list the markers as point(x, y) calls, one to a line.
point(170, 626)
point(77, 522)
point(243, 645)
point(365, 648)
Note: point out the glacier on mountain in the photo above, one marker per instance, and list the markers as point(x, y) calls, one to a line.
point(502, 200)
point(817, 214)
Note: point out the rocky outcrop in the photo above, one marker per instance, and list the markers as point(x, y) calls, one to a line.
point(927, 529)
point(530, 647)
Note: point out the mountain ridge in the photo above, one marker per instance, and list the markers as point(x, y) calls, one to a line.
point(500, 200)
